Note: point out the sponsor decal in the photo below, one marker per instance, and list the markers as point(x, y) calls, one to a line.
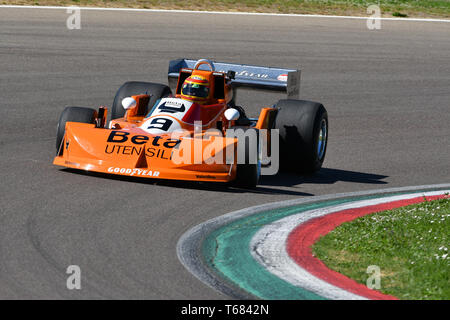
point(150, 152)
point(196, 77)
point(157, 141)
point(69, 163)
point(283, 77)
point(245, 73)
point(205, 177)
point(171, 107)
point(156, 146)
point(133, 172)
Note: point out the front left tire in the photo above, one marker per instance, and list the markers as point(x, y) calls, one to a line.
point(72, 114)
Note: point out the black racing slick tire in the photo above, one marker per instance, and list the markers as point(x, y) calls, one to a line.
point(248, 167)
point(72, 114)
point(132, 88)
point(303, 129)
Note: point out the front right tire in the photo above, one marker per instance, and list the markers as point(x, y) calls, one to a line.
point(248, 171)
point(132, 88)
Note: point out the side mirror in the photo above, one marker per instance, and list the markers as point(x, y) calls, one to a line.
point(128, 103)
point(232, 114)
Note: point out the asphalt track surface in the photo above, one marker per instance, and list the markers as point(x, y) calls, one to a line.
point(387, 93)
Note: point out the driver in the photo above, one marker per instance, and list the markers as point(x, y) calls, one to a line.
point(196, 89)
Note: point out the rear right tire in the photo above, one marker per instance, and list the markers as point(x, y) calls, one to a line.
point(303, 129)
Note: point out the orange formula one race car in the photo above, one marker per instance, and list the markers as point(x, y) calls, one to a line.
point(198, 132)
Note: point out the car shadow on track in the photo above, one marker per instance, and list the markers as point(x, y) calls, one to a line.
point(324, 176)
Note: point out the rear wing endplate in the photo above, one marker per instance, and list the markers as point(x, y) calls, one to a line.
point(248, 76)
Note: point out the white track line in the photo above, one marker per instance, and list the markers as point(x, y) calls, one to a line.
point(226, 12)
point(268, 247)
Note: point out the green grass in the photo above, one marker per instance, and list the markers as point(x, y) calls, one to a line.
point(399, 14)
point(410, 8)
point(410, 245)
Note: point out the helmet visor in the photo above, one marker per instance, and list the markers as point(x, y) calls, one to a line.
point(195, 90)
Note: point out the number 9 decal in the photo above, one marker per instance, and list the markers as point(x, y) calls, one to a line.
point(161, 124)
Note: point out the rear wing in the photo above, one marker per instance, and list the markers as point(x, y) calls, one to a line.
point(248, 76)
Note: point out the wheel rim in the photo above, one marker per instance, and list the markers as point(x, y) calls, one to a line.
point(322, 141)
